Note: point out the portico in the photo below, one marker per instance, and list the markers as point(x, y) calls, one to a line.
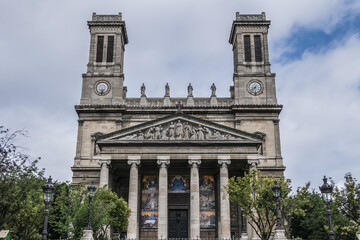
point(183, 176)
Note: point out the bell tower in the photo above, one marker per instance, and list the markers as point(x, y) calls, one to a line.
point(103, 83)
point(253, 81)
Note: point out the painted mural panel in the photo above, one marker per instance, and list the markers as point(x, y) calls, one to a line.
point(179, 184)
point(207, 219)
point(207, 202)
point(149, 202)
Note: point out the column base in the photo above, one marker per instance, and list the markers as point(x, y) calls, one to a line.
point(87, 235)
point(279, 235)
point(244, 236)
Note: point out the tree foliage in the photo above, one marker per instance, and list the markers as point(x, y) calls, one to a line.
point(70, 212)
point(348, 199)
point(253, 192)
point(21, 207)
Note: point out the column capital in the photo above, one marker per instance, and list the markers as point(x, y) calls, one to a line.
point(107, 162)
point(276, 121)
point(134, 160)
point(194, 161)
point(224, 161)
point(103, 160)
point(163, 161)
point(254, 160)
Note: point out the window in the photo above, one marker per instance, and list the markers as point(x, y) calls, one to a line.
point(247, 48)
point(258, 54)
point(110, 49)
point(99, 49)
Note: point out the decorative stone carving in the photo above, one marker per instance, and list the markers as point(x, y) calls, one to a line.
point(167, 90)
point(194, 161)
point(224, 161)
point(97, 149)
point(190, 90)
point(163, 161)
point(134, 160)
point(180, 130)
point(213, 90)
point(142, 90)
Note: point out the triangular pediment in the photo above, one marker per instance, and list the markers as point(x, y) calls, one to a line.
point(179, 127)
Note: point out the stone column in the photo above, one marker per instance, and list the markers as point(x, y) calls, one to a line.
point(104, 172)
point(194, 162)
point(163, 162)
point(224, 161)
point(133, 228)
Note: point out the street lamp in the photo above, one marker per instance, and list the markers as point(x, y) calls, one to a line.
point(326, 191)
point(49, 190)
point(91, 193)
point(276, 190)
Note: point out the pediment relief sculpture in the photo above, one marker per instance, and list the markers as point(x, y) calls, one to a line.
point(180, 130)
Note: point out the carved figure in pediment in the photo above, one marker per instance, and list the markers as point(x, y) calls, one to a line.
point(187, 131)
point(150, 133)
point(200, 133)
point(164, 134)
point(208, 133)
point(229, 137)
point(179, 131)
point(193, 134)
point(157, 134)
point(172, 131)
point(140, 135)
point(217, 135)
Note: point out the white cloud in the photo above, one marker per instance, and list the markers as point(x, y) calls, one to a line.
point(319, 126)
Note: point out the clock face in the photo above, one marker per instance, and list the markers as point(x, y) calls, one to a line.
point(102, 87)
point(255, 87)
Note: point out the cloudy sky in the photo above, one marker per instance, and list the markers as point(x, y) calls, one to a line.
point(314, 50)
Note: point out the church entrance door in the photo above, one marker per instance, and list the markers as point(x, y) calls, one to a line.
point(178, 223)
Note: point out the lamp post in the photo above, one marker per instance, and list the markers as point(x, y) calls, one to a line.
point(49, 190)
point(279, 229)
point(326, 192)
point(276, 190)
point(91, 192)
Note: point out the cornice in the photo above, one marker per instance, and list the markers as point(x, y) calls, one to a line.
point(247, 23)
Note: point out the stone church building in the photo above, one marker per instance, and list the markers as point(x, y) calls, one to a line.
point(170, 158)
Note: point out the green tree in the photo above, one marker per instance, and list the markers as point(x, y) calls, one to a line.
point(70, 216)
point(62, 210)
point(314, 223)
point(20, 188)
point(347, 199)
point(253, 192)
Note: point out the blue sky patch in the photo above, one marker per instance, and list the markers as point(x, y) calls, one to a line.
point(304, 39)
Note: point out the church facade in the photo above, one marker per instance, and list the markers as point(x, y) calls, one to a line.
point(170, 158)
